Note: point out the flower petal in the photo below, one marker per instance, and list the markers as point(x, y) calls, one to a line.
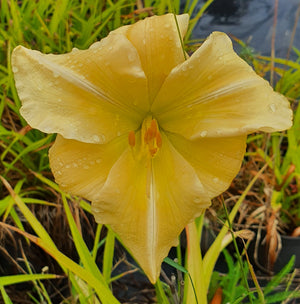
point(149, 203)
point(158, 44)
point(82, 168)
point(216, 93)
point(92, 95)
point(215, 160)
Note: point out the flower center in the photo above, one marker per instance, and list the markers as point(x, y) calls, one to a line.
point(150, 140)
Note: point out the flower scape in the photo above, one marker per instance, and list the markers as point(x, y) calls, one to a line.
point(147, 136)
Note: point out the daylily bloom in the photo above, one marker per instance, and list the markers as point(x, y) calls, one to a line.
point(147, 136)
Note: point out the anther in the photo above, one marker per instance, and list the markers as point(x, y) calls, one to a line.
point(131, 139)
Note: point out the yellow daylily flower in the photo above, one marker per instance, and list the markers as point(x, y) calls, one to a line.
point(147, 136)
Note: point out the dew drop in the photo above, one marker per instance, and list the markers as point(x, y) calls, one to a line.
point(59, 99)
point(59, 173)
point(75, 165)
point(131, 57)
point(216, 180)
point(167, 25)
point(197, 200)
point(67, 166)
point(98, 161)
point(272, 107)
point(203, 133)
point(86, 167)
point(96, 138)
point(15, 69)
point(144, 41)
point(209, 77)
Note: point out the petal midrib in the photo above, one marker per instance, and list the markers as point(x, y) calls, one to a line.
point(207, 97)
point(151, 225)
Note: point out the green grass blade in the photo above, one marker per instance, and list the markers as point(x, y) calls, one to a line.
point(161, 296)
point(108, 254)
point(102, 290)
point(215, 249)
point(84, 254)
point(5, 296)
point(21, 278)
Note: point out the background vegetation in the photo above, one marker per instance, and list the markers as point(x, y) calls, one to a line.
point(51, 250)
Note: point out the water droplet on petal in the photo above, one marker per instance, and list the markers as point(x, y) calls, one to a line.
point(197, 200)
point(131, 57)
point(15, 69)
point(203, 133)
point(96, 138)
point(216, 180)
point(86, 167)
point(272, 107)
point(209, 77)
point(98, 161)
point(67, 166)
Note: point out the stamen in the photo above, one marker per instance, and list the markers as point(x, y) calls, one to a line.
point(152, 137)
point(149, 142)
point(158, 140)
point(131, 139)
